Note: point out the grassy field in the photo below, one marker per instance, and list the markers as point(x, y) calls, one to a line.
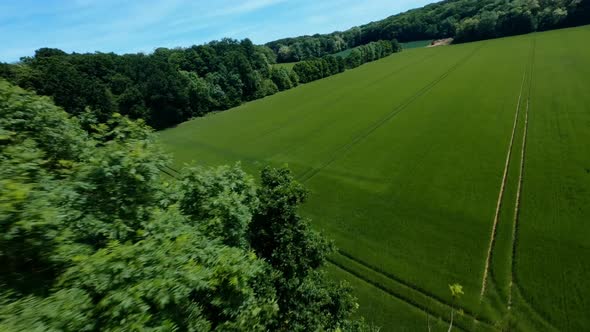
point(410, 45)
point(416, 44)
point(343, 54)
point(287, 65)
point(468, 164)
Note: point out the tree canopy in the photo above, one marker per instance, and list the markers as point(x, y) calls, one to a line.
point(164, 88)
point(317, 68)
point(169, 86)
point(94, 236)
point(464, 20)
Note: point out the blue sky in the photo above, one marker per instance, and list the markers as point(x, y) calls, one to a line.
point(124, 26)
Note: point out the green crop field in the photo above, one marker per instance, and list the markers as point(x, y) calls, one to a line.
point(287, 65)
point(344, 53)
point(416, 44)
point(463, 164)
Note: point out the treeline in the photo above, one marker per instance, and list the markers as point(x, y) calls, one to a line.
point(307, 47)
point(498, 20)
point(371, 52)
point(464, 20)
point(170, 86)
point(315, 69)
point(163, 88)
point(93, 239)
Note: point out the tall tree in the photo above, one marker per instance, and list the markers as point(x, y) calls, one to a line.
point(307, 299)
point(93, 239)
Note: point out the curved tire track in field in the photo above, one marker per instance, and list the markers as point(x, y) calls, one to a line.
point(169, 170)
point(398, 296)
point(514, 242)
point(515, 225)
point(517, 204)
point(312, 171)
point(548, 326)
point(412, 287)
point(167, 173)
point(172, 169)
point(501, 193)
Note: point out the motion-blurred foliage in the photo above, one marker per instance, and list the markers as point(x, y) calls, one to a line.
point(93, 237)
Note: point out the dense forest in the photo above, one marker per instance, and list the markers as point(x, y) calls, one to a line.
point(464, 20)
point(317, 68)
point(94, 236)
point(172, 85)
point(163, 88)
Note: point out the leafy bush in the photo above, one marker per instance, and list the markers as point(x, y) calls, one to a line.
point(93, 239)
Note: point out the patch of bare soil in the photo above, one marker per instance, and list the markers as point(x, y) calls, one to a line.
point(441, 42)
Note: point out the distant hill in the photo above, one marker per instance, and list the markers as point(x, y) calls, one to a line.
point(463, 20)
point(170, 86)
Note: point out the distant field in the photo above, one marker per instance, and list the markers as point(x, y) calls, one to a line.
point(468, 163)
point(344, 53)
point(410, 45)
point(416, 44)
point(288, 65)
